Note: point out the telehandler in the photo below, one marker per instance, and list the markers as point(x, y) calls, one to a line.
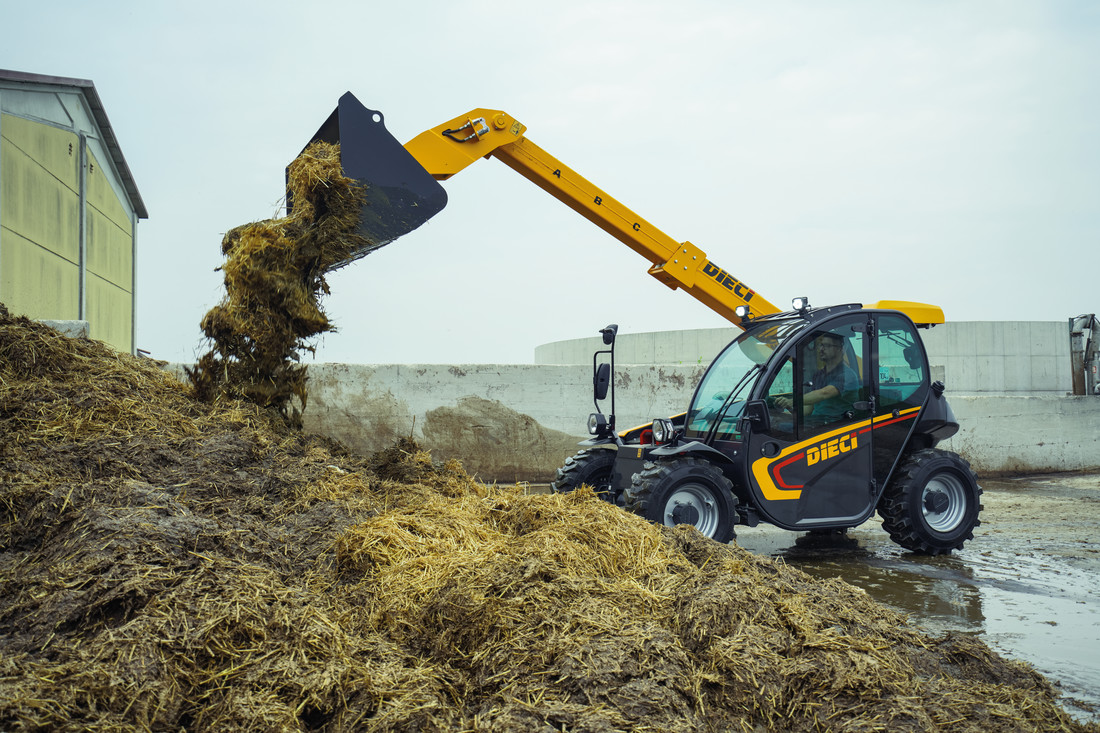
point(811, 419)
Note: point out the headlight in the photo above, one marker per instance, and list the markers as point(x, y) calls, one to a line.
point(662, 430)
point(800, 304)
point(597, 424)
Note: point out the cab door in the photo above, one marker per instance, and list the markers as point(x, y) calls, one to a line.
point(811, 466)
point(901, 385)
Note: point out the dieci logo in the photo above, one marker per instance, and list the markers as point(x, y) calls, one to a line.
point(832, 449)
point(728, 281)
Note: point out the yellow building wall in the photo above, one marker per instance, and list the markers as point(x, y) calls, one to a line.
point(35, 282)
point(40, 233)
point(110, 261)
point(109, 312)
point(40, 188)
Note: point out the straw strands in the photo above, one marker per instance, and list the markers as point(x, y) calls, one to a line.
point(274, 278)
point(172, 564)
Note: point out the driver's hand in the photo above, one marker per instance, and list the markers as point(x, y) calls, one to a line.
point(784, 402)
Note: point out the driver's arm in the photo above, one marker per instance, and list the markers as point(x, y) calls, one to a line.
point(820, 395)
point(810, 398)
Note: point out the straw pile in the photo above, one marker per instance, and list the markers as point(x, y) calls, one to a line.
point(171, 564)
point(274, 278)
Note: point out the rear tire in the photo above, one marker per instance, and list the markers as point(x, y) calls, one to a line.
point(932, 504)
point(593, 468)
point(684, 491)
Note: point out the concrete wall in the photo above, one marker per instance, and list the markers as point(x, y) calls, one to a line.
point(1027, 434)
point(506, 422)
point(1004, 357)
point(511, 423)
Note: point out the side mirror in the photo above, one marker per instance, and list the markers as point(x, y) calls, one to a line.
point(756, 414)
point(609, 333)
point(601, 380)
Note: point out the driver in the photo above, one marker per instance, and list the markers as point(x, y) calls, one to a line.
point(826, 400)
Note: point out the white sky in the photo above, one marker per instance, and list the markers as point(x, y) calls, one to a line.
point(851, 150)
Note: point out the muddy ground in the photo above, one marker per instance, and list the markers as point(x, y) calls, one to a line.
point(1028, 584)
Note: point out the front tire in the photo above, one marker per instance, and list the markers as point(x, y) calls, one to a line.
point(595, 468)
point(931, 506)
point(684, 491)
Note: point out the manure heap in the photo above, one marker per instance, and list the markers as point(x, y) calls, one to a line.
point(171, 564)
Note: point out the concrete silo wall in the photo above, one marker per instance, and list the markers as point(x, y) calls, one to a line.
point(510, 422)
point(506, 422)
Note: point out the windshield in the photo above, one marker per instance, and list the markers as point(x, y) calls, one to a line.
point(718, 402)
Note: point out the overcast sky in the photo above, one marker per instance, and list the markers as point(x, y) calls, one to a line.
point(851, 150)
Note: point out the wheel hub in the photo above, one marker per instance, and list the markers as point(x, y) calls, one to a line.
point(944, 503)
point(693, 504)
point(685, 514)
point(936, 502)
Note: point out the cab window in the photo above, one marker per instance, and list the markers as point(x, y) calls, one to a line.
point(824, 386)
point(780, 389)
point(901, 364)
point(832, 378)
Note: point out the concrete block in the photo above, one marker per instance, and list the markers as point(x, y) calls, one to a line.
point(987, 337)
point(959, 339)
point(1049, 338)
point(936, 340)
point(670, 347)
point(502, 421)
point(72, 329)
point(629, 351)
point(1017, 339)
point(990, 373)
point(1017, 372)
point(1049, 374)
point(963, 374)
point(1027, 434)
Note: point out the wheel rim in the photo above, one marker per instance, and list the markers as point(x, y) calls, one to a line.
point(693, 502)
point(943, 502)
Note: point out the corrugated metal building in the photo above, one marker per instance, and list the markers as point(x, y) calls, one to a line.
point(69, 208)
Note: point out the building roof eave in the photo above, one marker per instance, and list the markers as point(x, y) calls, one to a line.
point(95, 105)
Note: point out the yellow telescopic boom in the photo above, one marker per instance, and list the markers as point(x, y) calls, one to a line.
point(483, 133)
point(401, 189)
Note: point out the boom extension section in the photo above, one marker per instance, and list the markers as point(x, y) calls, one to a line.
point(402, 194)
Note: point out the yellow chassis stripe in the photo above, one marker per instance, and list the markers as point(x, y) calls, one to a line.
point(761, 468)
